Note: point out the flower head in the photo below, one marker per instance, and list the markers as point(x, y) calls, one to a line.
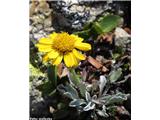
point(62, 46)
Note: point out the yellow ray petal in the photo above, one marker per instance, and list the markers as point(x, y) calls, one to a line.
point(82, 46)
point(67, 60)
point(78, 39)
point(53, 54)
point(44, 48)
point(53, 35)
point(45, 58)
point(70, 60)
point(73, 59)
point(58, 60)
point(78, 55)
point(46, 41)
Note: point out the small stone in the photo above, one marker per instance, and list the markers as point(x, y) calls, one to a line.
point(39, 82)
point(34, 29)
point(99, 58)
point(39, 26)
point(47, 13)
point(41, 16)
point(36, 19)
point(49, 29)
point(80, 8)
point(30, 28)
point(42, 32)
point(51, 109)
point(121, 37)
point(38, 36)
point(47, 22)
point(30, 36)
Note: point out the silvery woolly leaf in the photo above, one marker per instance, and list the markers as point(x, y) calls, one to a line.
point(77, 103)
point(112, 99)
point(115, 75)
point(94, 115)
point(88, 107)
point(102, 113)
point(95, 100)
point(102, 83)
point(104, 108)
point(94, 97)
point(88, 86)
point(69, 91)
point(88, 96)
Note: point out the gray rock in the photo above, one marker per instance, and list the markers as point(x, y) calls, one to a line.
point(37, 36)
point(34, 29)
point(47, 22)
point(39, 26)
point(121, 37)
point(49, 29)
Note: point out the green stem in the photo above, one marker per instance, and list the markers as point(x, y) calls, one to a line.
point(55, 75)
point(52, 75)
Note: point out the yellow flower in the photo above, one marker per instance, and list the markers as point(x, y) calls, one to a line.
point(62, 46)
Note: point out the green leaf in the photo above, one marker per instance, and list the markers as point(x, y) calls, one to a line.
point(116, 55)
point(61, 105)
point(106, 24)
point(47, 89)
point(115, 75)
point(84, 34)
point(82, 89)
point(52, 75)
point(74, 78)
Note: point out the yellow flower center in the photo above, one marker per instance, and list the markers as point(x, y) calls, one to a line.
point(64, 43)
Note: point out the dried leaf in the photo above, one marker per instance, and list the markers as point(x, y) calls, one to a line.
point(94, 62)
point(97, 64)
point(59, 70)
point(62, 72)
point(51, 109)
point(104, 69)
point(108, 37)
point(121, 110)
point(128, 30)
